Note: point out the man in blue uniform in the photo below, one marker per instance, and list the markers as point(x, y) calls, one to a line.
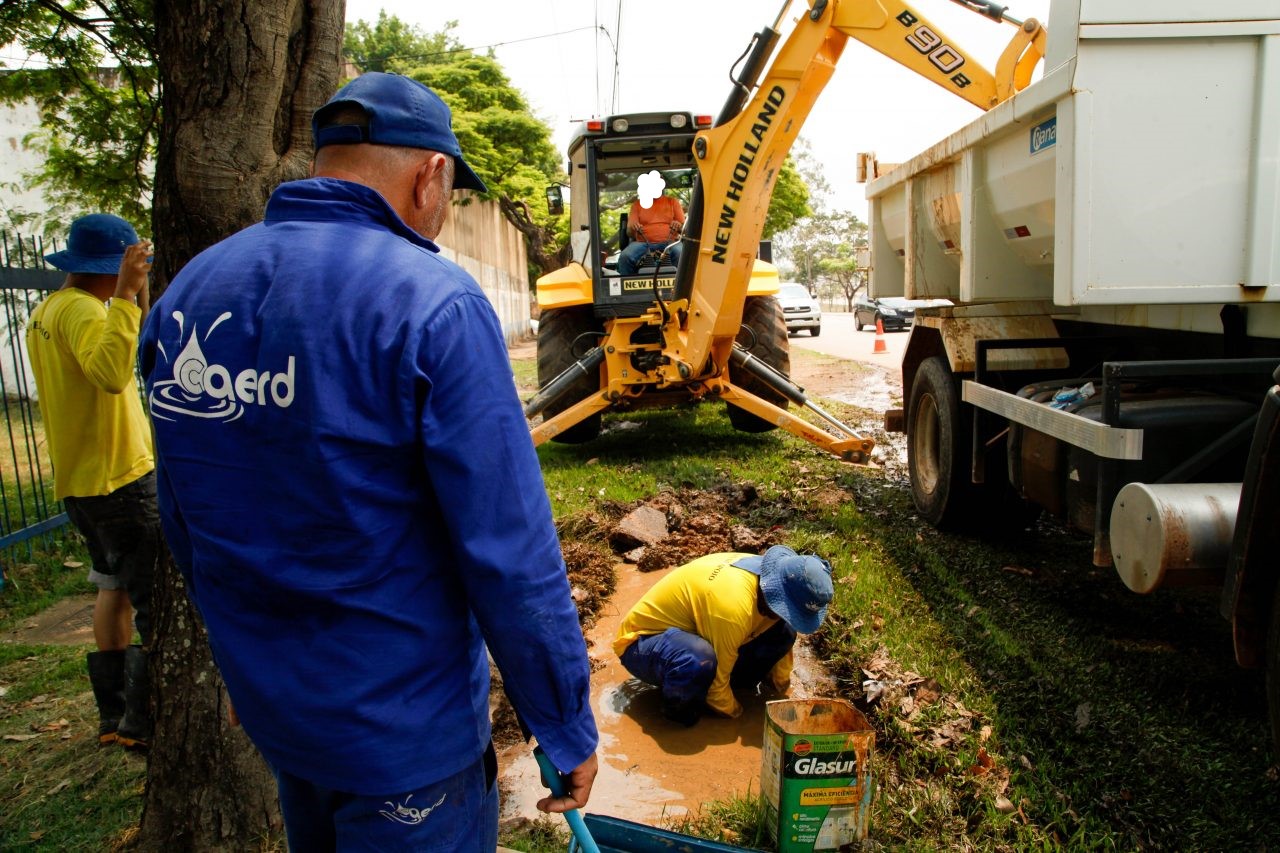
point(348, 485)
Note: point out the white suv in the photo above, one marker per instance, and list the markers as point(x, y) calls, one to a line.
point(800, 310)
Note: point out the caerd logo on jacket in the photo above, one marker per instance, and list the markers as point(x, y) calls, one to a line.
point(203, 390)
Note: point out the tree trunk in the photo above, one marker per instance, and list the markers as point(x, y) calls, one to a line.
point(539, 243)
point(240, 79)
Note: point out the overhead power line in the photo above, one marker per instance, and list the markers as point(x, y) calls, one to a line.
point(605, 30)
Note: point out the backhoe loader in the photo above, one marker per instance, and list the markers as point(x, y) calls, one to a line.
point(709, 328)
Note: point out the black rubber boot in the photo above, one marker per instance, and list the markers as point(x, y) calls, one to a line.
point(135, 726)
point(106, 674)
point(686, 713)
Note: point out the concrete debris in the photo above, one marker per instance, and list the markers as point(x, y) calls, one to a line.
point(644, 525)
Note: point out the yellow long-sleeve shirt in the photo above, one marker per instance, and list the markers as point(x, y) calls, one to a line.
point(82, 355)
point(715, 600)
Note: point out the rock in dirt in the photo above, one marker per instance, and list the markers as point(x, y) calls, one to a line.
point(743, 538)
point(645, 525)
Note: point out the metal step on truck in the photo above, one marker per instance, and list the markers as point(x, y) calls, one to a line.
point(1110, 239)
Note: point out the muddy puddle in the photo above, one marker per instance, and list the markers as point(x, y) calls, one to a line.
point(651, 768)
point(874, 389)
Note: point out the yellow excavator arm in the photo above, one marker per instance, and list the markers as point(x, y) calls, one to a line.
point(689, 342)
point(739, 159)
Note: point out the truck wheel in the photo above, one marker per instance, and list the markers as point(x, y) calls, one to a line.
point(558, 329)
point(1273, 669)
point(937, 445)
point(767, 340)
point(814, 331)
point(939, 458)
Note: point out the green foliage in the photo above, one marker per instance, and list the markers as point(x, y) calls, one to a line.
point(821, 252)
point(819, 248)
point(99, 124)
point(390, 44)
point(839, 265)
point(790, 201)
point(508, 147)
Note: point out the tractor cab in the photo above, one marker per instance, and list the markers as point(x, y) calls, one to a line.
point(612, 163)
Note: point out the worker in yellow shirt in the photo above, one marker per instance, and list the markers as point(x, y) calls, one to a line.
point(723, 621)
point(83, 344)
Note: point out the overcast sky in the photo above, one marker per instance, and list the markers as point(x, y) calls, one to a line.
point(676, 55)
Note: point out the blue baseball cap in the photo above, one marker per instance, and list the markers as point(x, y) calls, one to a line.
point(401, 111)
point(796, 587)
point(95, 244)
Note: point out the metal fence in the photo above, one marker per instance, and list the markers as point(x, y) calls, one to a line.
point(476, 237)
point(27, 506)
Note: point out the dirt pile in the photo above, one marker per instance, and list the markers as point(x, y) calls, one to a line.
point(673, 527)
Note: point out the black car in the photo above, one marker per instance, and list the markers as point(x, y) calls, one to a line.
point(894, 311)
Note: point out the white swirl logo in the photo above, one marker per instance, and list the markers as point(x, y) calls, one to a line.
point(406, 814)
point(203, 390)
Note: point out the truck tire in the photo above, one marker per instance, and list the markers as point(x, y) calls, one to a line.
point(558, 329)
point(765, 337)
point(937, 445)
point(939, 459)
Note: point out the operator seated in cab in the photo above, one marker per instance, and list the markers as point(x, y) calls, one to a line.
point(654, 222)
point(721, 622)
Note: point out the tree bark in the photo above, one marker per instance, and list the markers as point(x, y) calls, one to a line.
point(539, 244)
point(239, 82)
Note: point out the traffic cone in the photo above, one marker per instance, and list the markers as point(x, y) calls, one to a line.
point(880, 344)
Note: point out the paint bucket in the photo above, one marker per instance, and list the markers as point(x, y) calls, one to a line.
point(815, 774)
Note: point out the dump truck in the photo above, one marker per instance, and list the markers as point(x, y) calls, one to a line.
point(1110, 239)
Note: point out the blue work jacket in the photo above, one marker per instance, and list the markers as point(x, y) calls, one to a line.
point(347, 482)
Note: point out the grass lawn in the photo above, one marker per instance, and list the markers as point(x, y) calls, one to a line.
point(1026, 700)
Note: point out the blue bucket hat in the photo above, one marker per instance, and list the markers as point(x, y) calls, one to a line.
point(95, 244)
point(401, 112)
point(797, 588)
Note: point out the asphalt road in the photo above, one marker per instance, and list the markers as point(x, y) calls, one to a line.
point(839, 338)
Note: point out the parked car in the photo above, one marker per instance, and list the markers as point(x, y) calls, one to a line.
point(800, 310)
point(894, 312)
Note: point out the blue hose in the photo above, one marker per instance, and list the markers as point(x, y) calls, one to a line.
point(552, 779)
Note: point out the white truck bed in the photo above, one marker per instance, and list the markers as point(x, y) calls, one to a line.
point(1142, 170)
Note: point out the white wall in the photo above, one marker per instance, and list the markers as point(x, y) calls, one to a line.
point(477, 238)
point(16, 121)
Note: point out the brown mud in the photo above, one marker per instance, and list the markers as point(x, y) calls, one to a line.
point(650, 768)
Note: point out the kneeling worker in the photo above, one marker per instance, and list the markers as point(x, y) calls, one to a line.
point(723, 621)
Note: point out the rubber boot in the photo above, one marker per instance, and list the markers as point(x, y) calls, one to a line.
point(686, 713)
point(135, 726)
point(106, 674)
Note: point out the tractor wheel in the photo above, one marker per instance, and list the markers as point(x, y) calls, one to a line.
point(558, 330)
point(765, 337)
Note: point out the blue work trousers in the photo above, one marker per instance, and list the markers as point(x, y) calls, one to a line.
point(683, 665)
point(629, 258)
point(458, 813)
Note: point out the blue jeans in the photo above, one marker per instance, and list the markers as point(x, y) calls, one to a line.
point(457, 813)
point(683, 665)
point(629, 260)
